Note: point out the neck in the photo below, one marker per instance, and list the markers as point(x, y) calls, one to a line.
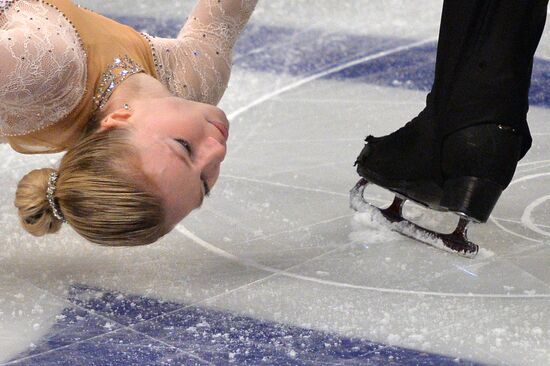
point(136, 87)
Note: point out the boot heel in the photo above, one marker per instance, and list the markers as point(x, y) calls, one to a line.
point(471, 196)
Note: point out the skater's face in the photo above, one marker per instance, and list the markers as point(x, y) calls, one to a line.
point(181, 146)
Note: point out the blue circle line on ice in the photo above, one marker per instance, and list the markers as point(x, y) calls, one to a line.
point(222, 253)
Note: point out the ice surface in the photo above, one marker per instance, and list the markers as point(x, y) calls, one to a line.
point(277, 240)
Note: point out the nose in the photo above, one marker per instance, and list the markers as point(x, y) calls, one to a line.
point(217, 111)
point(210, 156)
point(223, 117)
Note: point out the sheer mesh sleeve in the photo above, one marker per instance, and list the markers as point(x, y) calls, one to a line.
point(42, 67)
point(196, 65)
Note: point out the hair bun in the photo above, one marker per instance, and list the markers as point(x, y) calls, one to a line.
point(35, 212)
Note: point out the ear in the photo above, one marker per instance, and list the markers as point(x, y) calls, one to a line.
point(117, 119)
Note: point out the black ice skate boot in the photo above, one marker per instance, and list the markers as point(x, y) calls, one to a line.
point(477, 164)
point(402, 161)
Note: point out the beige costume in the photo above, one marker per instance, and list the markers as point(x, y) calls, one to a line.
point(59, 63)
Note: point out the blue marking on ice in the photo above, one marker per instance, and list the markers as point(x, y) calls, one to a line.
point(304, 52)
point(110, 328)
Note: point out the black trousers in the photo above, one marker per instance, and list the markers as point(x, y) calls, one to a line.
point(484, 64)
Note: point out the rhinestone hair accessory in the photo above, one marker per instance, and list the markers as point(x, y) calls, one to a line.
point(52, 181)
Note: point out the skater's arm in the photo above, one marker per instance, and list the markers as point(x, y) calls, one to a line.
point(42, 77)
point(197, 64)
point(11, 54)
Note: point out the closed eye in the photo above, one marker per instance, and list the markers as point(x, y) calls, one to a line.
point(187, 146)
point(206, 188)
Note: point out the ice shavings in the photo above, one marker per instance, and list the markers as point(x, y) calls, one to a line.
point(372, 227)
point(484, 253)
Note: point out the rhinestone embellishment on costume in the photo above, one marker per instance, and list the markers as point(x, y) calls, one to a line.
point(5, 4)
point(121, 69)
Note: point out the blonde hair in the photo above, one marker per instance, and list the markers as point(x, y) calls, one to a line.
point(101, 192)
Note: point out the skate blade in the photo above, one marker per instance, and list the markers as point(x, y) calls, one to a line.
point(455, 242)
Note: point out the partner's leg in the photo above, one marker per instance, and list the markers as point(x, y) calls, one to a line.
point(461, 152)
point(483, 71)
point(480, 92)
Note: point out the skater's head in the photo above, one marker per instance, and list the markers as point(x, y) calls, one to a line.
point(132, 179)
point(181, 149)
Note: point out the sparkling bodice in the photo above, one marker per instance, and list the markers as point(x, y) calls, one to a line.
point(43, 62)
point(42, 67)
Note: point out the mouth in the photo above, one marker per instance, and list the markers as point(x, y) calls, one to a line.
point(222, 127)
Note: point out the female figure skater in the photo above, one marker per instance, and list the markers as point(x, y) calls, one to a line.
point(136, 115)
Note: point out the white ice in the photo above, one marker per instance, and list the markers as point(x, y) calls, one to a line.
point(277, 239)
